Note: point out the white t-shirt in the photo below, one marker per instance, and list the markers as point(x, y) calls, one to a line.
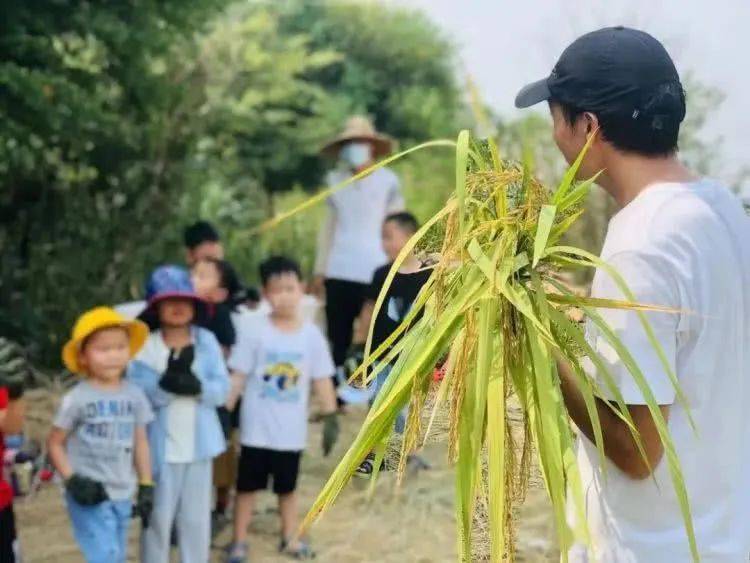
point(686, 246)
point(279, 367)
point(359, 210)
point(181, 411)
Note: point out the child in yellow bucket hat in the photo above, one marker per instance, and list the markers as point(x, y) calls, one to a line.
point(98, 440)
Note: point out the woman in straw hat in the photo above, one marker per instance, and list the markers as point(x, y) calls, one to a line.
point(349, 247)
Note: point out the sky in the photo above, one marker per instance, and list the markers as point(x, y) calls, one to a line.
point(504, 44)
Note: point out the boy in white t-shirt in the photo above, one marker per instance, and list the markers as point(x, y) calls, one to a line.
point(274, 368)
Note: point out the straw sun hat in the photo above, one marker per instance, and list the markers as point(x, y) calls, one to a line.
point(359, 128)
point(97, 319)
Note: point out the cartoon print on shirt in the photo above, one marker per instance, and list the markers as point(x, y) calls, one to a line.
point(281, 376)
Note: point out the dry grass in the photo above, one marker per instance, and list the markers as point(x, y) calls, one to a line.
point(412, 524)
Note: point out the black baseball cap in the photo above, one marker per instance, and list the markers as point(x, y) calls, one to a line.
point(614, 69)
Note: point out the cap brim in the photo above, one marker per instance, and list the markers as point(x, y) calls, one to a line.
point(533, 93)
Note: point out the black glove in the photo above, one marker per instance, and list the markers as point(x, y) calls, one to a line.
point(145, 503)
point(85, 491)
point(14, 369)
point(330, 432)
point(178, 377)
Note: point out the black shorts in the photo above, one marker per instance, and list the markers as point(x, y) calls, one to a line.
point(8, 543)
point(258, 464)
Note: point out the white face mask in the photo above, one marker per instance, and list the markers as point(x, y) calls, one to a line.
point(356, 154)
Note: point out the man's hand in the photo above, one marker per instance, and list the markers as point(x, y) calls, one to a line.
point(14, 369)
point(179, 378)
point(85, 491)
point(145, 503)
point(330, 432)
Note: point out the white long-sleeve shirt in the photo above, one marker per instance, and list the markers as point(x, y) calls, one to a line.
point(349, 243)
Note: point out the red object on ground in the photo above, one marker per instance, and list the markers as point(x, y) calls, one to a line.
point(6, 492)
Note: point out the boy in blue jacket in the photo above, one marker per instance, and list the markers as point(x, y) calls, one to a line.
point(182, 371)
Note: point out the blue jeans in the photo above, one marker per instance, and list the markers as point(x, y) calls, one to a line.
point(379, 382)
point(101, 530)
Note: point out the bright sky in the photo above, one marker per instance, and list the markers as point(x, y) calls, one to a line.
point(506, 43)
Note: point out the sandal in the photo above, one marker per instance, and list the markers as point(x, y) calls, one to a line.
point(237, 552)
point(303, 550)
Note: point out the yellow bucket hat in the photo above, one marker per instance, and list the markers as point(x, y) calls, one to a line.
point(96, 319)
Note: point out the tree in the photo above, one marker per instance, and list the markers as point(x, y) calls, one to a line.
point(122, 121)
point(92, 145)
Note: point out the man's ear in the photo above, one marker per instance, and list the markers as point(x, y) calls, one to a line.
point(591, 122)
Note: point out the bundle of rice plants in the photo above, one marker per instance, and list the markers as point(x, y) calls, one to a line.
point(494, 306)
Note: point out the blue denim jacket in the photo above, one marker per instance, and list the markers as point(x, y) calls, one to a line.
point(210, 368)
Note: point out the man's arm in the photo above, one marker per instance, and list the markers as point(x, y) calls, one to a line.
point(363, 322)
point(323, 251)
point(619, 445)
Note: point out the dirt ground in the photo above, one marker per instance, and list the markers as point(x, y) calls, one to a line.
point(413, 524)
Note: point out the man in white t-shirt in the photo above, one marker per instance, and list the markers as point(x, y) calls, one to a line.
point(679, 241)
point(349, 248)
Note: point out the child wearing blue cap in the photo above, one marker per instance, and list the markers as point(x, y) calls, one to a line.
point(182, 371)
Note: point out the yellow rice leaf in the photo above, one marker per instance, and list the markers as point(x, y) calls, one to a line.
point(328, 192)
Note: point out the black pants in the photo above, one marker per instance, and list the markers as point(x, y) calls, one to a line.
point(344, 301)
point(7, 535)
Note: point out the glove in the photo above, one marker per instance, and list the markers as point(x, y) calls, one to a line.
point(178, 378)
point(185, 385)
point(14, 369)
point(181, 361)
point(85, 491)
point(145, 503)
point(330, 432)
point(354, 358)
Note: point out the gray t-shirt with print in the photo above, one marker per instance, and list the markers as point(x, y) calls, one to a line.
point(101, 433)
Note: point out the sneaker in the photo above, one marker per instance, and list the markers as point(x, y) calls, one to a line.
point(366, 468)
point(301, 551)
point(237, 552)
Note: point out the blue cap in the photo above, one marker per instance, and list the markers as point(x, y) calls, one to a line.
point(169, 281)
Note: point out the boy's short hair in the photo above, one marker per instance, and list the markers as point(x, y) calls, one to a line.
point(198, 233)
point(405, 220)
point(277, 265)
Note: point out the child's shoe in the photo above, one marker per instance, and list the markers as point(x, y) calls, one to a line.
point(237, 552)
point(301, 551)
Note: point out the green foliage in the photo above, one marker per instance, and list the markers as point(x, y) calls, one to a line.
point(92, 151)
point(121, 122)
